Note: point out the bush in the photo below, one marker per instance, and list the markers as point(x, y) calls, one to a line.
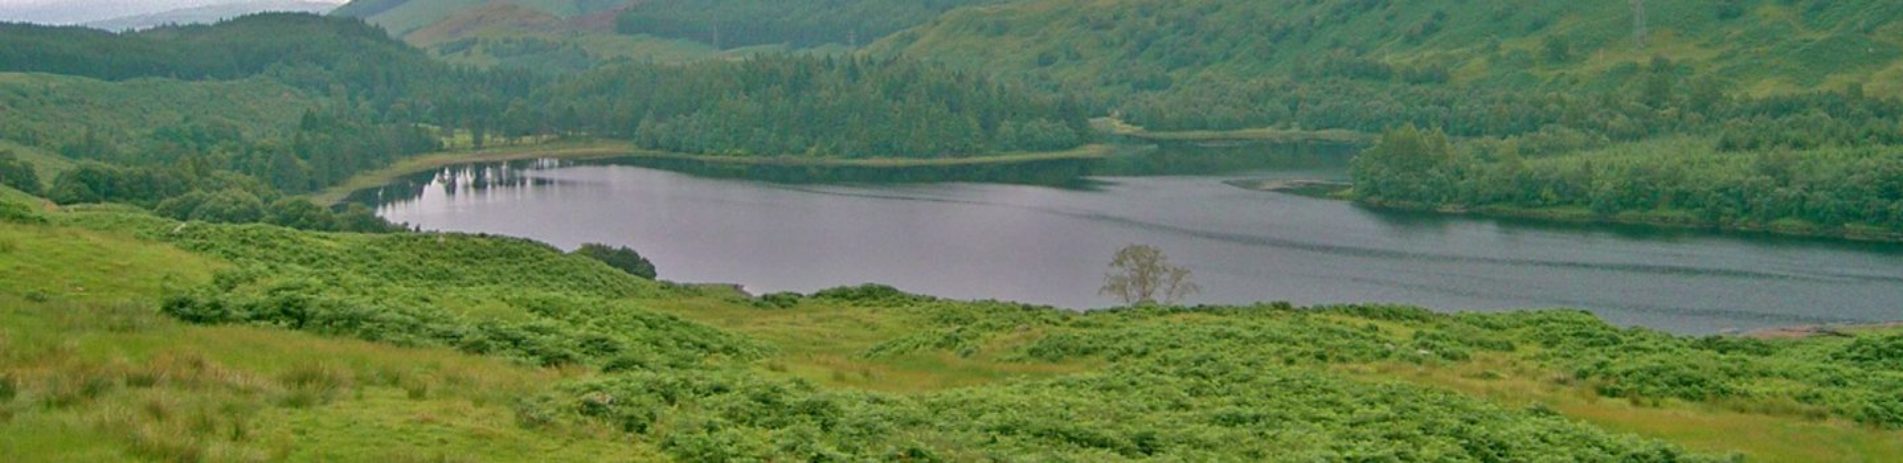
point(869, 294)
point(780, 300)
point(1884, 352)
point(301, 214)
point(621, 258)
point(226, 206)
point(18, 174)
point(19, 213)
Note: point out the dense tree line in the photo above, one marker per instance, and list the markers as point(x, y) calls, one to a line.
point(1686, 180)
point(832, 106)
point(1649, 100)
point(188, 192)
point(799, 23)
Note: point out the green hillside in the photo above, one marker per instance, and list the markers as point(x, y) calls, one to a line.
point(65, 113)
point(1760, 46)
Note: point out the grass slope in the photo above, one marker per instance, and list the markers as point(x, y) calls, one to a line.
point(88, 372)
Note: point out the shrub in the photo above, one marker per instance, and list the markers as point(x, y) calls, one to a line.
point(18, 174)
point(872, 294)
point(19, 213)
point(782, 300)
point(301, 214)
point(621, 258)
point(1884, 352)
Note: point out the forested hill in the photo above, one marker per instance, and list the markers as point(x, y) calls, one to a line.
point(798, 23)
point(1124, 48)
point(816, 107)
point(570, 36)
point(404, 16)
point(239, 48)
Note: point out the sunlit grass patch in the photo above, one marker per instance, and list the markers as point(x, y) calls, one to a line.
point(60, 263)
point(134, 384)
point(1760, 431)
point(829, 343)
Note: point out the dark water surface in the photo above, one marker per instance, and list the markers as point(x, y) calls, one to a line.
point(1050, 245)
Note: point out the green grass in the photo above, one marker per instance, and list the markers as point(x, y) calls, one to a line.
point(826, 344)
point(80, 265)
point(134, 384)
point(96, 374)
point(1708, 428)
point(11, 196)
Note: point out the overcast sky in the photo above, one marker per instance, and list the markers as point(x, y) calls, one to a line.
point(74, 11)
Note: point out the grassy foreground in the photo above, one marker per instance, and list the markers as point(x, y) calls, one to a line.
point(125, 336)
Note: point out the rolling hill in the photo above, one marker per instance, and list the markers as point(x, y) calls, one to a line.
point(1760, 47)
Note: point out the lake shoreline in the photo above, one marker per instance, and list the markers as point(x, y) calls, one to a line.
point(1648, 219)
point(1813, 331)
point(1114, 127)
point(1321, 189)
point(1342, 191)
point(602, 150)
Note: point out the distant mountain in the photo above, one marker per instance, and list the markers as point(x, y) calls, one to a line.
point(211, 14)
point(64, 12)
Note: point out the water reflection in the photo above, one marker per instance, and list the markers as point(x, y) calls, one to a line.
point(463, 179)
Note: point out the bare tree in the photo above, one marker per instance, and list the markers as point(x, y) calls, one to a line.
point(1140, 274)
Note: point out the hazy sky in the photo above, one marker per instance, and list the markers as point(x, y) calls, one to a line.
point(73, 11)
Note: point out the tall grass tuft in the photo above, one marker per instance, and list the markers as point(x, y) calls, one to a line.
point(121, 317)
point(313, 384)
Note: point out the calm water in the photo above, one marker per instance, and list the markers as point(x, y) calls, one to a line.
point(1050, 245)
